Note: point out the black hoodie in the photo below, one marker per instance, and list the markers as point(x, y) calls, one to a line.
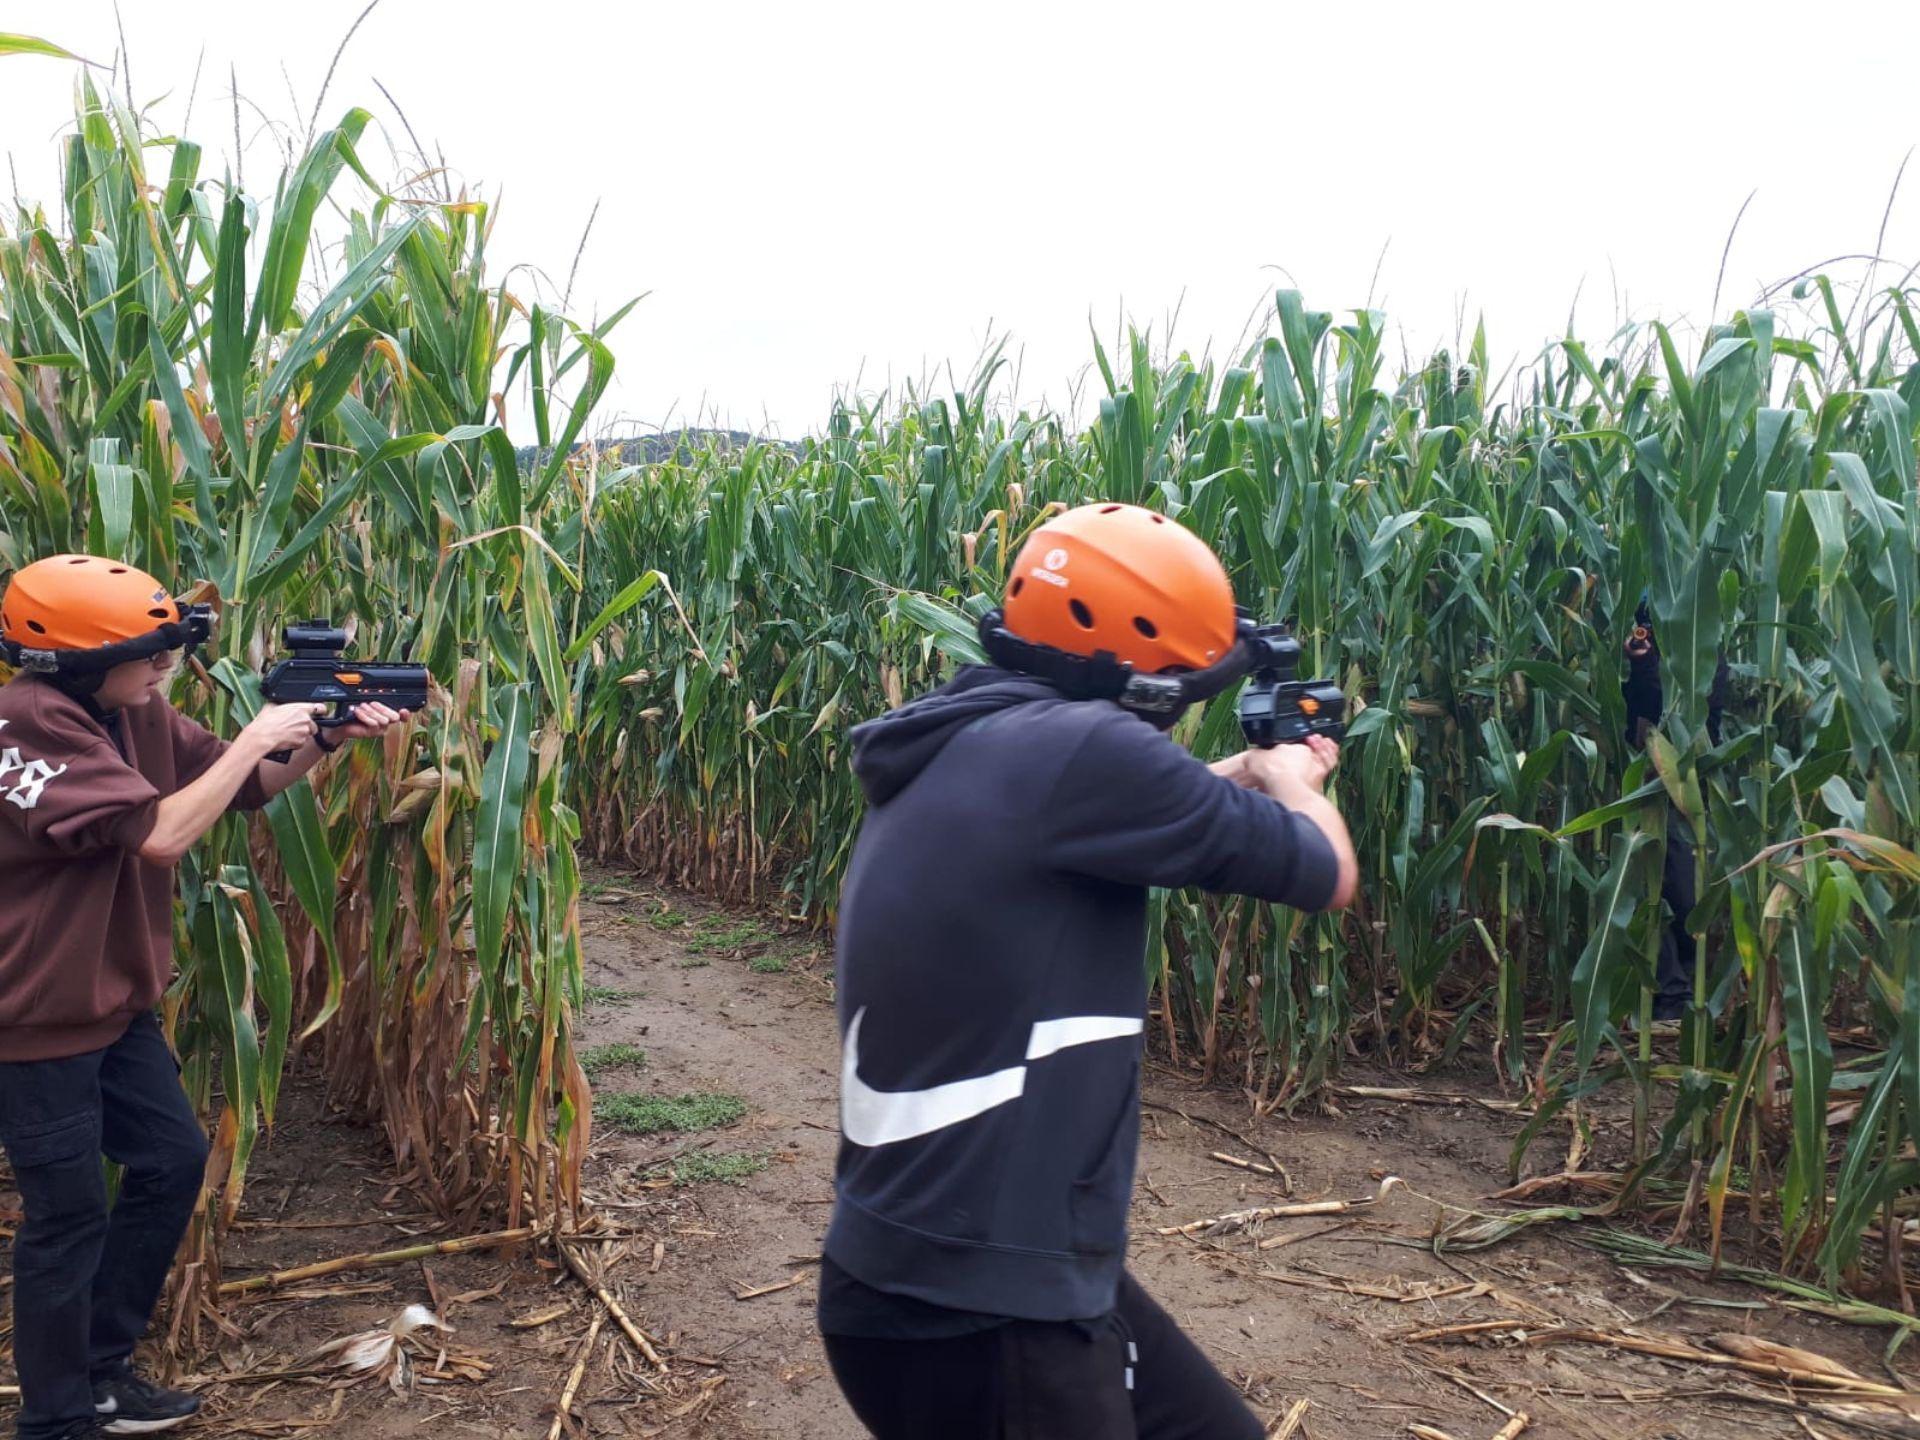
point(992, 987)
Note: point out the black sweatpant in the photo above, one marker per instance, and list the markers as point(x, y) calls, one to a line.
point(85, 1279)
point(1673, 984)
point(1133, 1375)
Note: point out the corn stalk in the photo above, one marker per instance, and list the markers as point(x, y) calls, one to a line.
point(186, 385)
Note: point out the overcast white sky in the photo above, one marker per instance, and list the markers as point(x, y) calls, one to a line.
point(847, 190)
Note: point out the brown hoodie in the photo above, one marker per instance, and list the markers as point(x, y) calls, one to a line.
point(86, 925)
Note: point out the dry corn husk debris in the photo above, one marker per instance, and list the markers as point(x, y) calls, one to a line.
point(379, 1352)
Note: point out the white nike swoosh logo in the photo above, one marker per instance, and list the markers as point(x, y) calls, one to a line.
point(870, 1117)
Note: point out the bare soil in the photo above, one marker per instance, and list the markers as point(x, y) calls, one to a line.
point(1326, 1313)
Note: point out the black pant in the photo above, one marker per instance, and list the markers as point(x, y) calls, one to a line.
point(85, 1280)
point(1673, 984)
point(1133, 1375)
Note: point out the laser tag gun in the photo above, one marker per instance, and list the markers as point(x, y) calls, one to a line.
point(1276, 708)
point(316, 674)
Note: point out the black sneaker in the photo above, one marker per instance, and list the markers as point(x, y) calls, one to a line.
point(129, 1405)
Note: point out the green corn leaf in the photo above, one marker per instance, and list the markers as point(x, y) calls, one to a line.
point(338, 309)
point(599, 376)
point(1857, 486)
point(1803, 991)
point(224, 938)
point(29, 45)
point(185, 429)
point(1605, 965)
point(230, 355)
point(273, 978)
point(497, 837)
point(630, 595)
point(1860, 1186)
point(1891, 419)
point(1564, 683)
point(110, 515)
point(297, 553)
point(1799, 549)
point(1872, 714)
point(947, 626)
point(509, 503)
point(1689, 621)
point(544, 636)
point(1906, 1049)
point(1380, 549)
point(1827, 510)
point(1731, 1138)
point(292, 228)
point(1627, 805)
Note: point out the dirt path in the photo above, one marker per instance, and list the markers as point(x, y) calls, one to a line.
point(724, 1010)
point(1285, 1323)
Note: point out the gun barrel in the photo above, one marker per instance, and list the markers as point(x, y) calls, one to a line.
point(345, 684)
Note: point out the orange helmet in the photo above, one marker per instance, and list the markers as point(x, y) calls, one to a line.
point(80, 614)
point(1124, 580)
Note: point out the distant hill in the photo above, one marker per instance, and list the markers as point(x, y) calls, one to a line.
point(654, 449)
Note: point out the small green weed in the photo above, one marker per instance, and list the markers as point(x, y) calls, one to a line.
point(694, 962)
point(767, 964)
point(727, 1169)
point(609, 995)
point(602, 1058)
point(715, 934)
point(651, 1114)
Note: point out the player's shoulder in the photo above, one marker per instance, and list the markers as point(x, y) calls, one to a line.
point(1103, 729)
point(27, 703)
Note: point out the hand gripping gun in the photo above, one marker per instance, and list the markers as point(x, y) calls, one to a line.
point(317, 674)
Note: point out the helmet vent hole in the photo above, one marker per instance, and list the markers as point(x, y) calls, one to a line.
point(36, 627)
point(1019, 584)
point(78, 560)
point(1159, 519)
point(159, 614)
point(1081, 614)
point(1108, 509)
point(118, 570)
point(1146, 627)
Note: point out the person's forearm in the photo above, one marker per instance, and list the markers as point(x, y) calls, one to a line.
point(1303, 799)
point(1234, 768)
point(275, 776)
point(187, 814)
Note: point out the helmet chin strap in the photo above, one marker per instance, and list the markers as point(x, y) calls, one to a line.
point(1160, 700)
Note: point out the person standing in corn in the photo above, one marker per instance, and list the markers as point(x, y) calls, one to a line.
point(103, 787)
point(1646, 708)
point(992, 994)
